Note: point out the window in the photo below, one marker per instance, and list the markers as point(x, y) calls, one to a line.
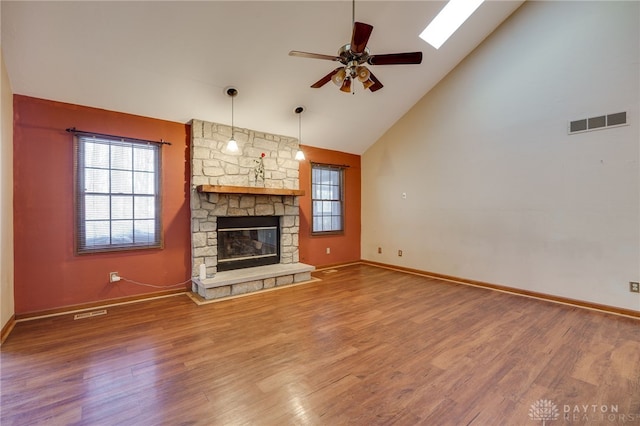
point(117, 194)
point(327, 198)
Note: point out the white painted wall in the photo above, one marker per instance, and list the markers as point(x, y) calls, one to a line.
point(6, 197)
point(497, 191)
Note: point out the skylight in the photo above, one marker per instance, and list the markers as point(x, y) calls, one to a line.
point(448, 21)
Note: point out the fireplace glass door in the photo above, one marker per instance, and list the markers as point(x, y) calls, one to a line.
point(245, 242)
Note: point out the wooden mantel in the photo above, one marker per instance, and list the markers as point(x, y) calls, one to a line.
point(223, 189)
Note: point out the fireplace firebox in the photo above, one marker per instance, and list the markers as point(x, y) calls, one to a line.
point(248, 241)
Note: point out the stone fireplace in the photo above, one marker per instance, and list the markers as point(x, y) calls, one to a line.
point(225, 190)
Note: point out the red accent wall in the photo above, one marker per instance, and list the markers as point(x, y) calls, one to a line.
point(48, 274)
point(345, 247)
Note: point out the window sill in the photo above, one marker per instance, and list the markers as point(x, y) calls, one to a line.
point(327, 233)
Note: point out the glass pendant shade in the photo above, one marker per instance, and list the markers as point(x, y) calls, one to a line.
point(232, 145)
point(364, 76)
point(299, 155)
point(339, 77)
point(367, 83)
point(346, 85)
point(363, 73)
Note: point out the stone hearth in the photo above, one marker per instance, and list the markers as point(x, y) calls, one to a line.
point(247, 280)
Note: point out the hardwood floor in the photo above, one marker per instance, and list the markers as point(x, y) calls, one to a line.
point(363, 346)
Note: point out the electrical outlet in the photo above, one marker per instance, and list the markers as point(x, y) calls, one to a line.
point(400, 253)
point(114, 277)
point(328, 250)
point(634, 287)
point(379, 250)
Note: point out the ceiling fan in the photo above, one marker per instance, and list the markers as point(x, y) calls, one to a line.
point(353, 57)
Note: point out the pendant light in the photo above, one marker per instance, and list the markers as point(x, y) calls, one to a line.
point(299, 154)
point(232, 145)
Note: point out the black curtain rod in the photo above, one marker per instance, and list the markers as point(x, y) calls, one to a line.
point(342, 166)
point(104, 135)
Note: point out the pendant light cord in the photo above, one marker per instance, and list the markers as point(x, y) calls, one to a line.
point(299, 155)
point(232, 92)
point(232, 133)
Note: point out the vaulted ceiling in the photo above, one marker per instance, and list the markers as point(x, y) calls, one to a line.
point(173, 59)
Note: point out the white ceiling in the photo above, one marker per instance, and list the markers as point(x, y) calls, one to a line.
point(172, 60)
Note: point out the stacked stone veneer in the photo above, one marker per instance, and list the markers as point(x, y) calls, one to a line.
point(212, 165)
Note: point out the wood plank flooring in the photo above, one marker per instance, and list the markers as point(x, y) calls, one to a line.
point(364, 346)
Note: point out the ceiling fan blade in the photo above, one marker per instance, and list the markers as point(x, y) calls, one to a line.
point(377, 85)
point(360, 36)
point(396, 59)
point(314, 56)
point(324, 80)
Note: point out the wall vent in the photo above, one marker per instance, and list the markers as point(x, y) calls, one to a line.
point(90, 314)
point(598, 122)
